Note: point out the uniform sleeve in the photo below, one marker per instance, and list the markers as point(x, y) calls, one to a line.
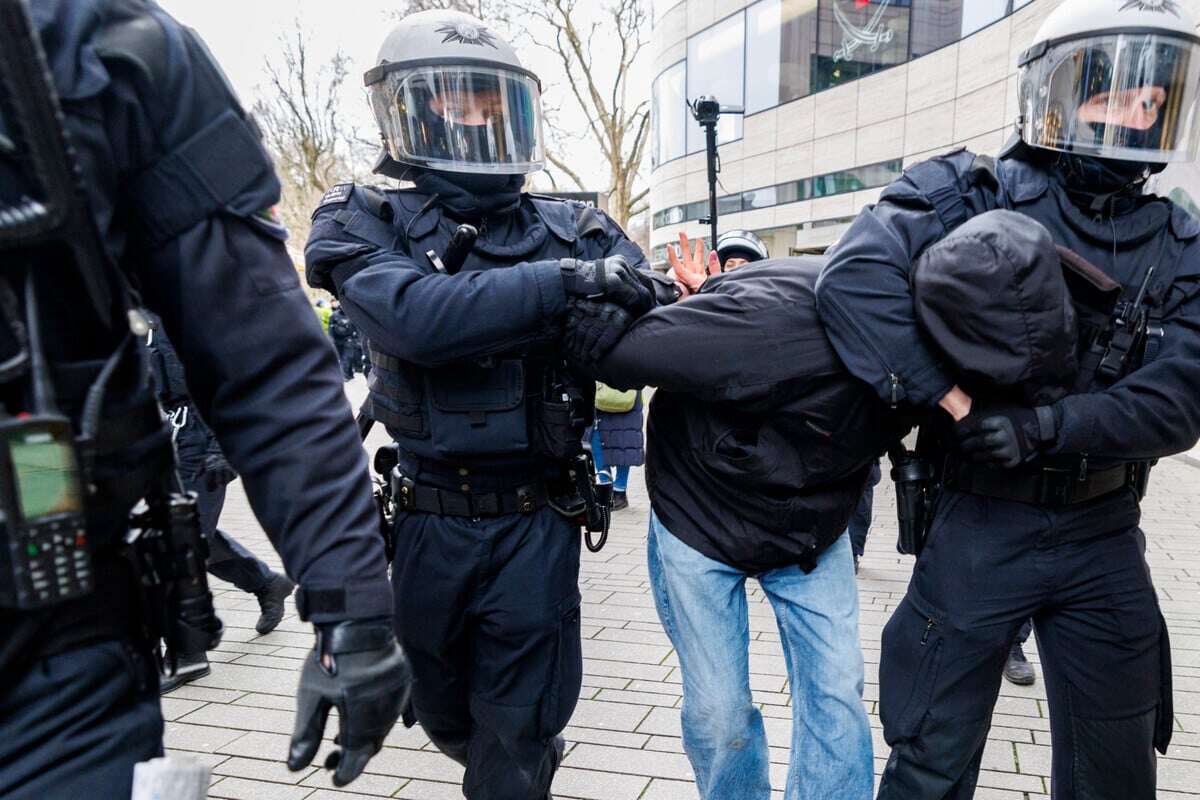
point(258, 366)
point(1154, 411)
point(429, 318)
point(617, 243)
point(865, 301)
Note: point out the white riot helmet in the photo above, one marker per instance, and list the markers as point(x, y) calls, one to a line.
point(1115, 79)
point(741, 243)
point(449, 94)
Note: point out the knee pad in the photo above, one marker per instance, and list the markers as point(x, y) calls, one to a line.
point(1112, 759)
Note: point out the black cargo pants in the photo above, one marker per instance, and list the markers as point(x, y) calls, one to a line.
point(488, 614)
point(74, 724)
point(1080, 573)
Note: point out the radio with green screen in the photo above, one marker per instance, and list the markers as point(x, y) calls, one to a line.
point(44, 555)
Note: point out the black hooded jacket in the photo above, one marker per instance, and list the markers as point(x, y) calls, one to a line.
point(759, 440)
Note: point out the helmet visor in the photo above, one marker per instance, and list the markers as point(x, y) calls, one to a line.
point(1122, 96)
point(461, 119)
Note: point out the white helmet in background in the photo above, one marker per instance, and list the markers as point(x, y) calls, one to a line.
point(1115, 79)
point(741, 244)
point(449, 94)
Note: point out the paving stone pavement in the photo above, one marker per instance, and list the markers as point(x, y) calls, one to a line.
point(623, 742)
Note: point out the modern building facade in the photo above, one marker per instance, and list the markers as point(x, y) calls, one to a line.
point(839, 97)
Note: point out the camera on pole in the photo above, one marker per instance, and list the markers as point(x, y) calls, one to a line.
point(708, 111)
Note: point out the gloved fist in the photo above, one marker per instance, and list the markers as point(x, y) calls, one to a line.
point(1005, 436)
point(358, 667)
point(592, 329)
point(609, 279)
point(217, 472)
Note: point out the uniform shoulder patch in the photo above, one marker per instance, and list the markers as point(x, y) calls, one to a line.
point(336, 195)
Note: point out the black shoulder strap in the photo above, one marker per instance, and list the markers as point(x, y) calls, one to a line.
point(942, 185)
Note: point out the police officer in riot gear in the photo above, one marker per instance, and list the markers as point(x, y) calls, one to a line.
point(469, 379)
point(1038, 508)
point(174, 198)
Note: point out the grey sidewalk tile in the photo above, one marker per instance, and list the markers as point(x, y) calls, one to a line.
point(589, 784)
point(273, 771)
point(175, 707)
point(634, 762)
point(198, 738)
point(242, 789)
point(367, 784)
point(243, 718)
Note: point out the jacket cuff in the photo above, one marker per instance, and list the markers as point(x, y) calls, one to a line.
point(552, 295)
point(925, 388)
point(1074, 431)
point(318, 603)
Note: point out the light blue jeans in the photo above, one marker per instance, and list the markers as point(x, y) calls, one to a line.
point(702, 605)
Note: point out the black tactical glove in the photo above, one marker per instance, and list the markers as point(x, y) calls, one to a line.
point(610, 279)
point(1005, 436)
point(367, 679)
point(592, 329)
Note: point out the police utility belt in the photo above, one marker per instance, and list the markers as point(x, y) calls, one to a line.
point(1048, 487)
point(408, 495)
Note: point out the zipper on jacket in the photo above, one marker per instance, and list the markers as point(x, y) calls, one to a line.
point(1083, 467)
point(931, 623)
point(893, 378)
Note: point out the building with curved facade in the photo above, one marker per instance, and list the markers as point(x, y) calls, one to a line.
point(839, 97)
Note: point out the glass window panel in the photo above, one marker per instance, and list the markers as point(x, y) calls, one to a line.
point(935, 23)
point(859, 38)
point(798, 48)
point(762, 55)
point(763, 198)
point(670, 114)
point(696, 210)
point(979, 13)
point(729, 204)
point(715, 60)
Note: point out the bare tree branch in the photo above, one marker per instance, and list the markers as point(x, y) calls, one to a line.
point(570, 173)
point(300, 115)
point(585, 46)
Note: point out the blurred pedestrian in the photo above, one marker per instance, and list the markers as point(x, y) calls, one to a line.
point(618, 442)
point(346, 341)
point(204, 470)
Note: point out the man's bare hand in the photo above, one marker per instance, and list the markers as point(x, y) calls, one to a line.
point(691, 267)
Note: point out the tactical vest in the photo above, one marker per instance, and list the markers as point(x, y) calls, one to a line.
point(492, 412)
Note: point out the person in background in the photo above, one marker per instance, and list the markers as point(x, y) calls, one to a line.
point(738, 247)
point(323, 311)
point(204, 470)
point(618, 443)
point(1017, 668)
point(345, 340)
point(861, 521)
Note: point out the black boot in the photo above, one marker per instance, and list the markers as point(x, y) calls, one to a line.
point(187, 669)
point(1017, 669)
point(270, 600)
point(620, 500)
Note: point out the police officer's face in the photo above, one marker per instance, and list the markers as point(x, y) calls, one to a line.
point(467, 108)
point(1136, 108)
point(733, 262)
